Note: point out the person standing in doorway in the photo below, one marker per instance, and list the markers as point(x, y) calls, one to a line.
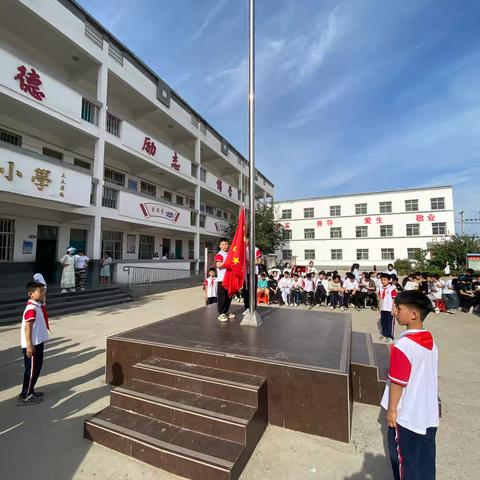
point(105, 263)
point(80, 264)
point(67, 282)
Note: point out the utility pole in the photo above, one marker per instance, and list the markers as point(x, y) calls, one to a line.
point(462, 222)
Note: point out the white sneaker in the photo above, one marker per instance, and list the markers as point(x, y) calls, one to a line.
point(64, 290)
point(332, 308)
point(223, 318)
point(230, 316)
point(388, 340)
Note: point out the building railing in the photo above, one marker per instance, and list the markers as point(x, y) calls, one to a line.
point(154, 275)
point(113, 125)
point(89, 112)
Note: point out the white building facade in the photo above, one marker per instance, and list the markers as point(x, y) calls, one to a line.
point(366, 228)
point(97, 152)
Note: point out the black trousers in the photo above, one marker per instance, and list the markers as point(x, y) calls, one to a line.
point(246, 293)
point(387, 324)
point(320, 296)
point(223, 300)
point(33, 367)
point(412, 455)
point(211, 300)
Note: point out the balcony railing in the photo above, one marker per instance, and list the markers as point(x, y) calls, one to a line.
point(89, 112)
point(113, 125)
point(109, 197)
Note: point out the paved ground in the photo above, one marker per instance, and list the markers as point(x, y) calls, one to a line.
point(45, 441)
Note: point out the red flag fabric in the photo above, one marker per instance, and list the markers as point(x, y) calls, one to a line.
point(235, 261)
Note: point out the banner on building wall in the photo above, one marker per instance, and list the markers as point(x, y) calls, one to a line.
point(158, 210)
point(221, 227)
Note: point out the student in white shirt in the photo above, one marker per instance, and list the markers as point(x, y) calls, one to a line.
point(350, 287)
point(210, 287)
point(285, 286)
point(80, 262)
point(449, 296)
point(308, 288)
point(321, 289)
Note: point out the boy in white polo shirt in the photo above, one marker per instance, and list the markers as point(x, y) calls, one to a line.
point(34, 332)
point(223, 299)
point(386, 296)
point(411, 394)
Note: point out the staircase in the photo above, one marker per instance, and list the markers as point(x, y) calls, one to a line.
point(11, 308)
point(190, 420)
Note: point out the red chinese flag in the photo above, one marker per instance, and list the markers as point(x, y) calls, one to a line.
point(235, 261)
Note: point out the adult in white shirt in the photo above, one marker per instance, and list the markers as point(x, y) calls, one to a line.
point(67, 282)
point(449, 295)
point(80, 263)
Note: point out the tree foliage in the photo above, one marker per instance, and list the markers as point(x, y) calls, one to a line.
point(454, 251)
point(268, 230)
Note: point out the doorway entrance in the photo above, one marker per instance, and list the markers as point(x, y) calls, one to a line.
point(46, 254)
point(165, 247)
point(178, 249)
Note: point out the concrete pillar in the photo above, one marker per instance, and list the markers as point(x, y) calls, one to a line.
point(94, 246)
point(196, 251)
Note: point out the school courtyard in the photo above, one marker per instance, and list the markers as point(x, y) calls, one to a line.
point(46, 441)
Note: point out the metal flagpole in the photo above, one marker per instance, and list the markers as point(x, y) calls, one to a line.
point(251, 316)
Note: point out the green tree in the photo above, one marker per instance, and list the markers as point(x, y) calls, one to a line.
point(268, 231)
point(454, 251)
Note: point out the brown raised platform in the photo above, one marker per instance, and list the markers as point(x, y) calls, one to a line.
point(193, 395)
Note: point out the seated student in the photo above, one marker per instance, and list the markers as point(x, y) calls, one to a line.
point(262, 285)
point(350, 287)
point(308, 289)
point(468, 299)
point(435, 291)
point(321, 289)
point(285, 286)
point(273, 291)
point(335, 290)
point(363, 284)
point(396, 283)
point(372, 290)
point(449, 295)
point(410, 283)
point(297, 290)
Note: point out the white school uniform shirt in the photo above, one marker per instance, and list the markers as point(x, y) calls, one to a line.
point(414, 366)
point(308, 285)
point(350, 284)
point(79, 261)
point(411, 286)
point(448, 287)
point(285, 283)
point(34, 312)
point(387, 296)
point(221, 256)
point(437, 290)
point(38, 277)
point(211, 286)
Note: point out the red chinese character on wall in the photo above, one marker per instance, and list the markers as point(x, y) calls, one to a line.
point(431, 217)
point(379, 220)
point(319, 223)
point(149, 146)
point(329, 223)
point(30, 82)
point(219, 185)
point(230, 190)
point(175, 163)
point(419, 218)
point(367, 220)
point(286, 226)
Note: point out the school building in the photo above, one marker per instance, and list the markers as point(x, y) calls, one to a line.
point(97, 152)
point(366, 228)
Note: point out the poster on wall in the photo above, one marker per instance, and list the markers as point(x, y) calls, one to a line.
point(131, 243)
point(27, 247)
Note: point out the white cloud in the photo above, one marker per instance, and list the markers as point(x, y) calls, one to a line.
point(209, 18)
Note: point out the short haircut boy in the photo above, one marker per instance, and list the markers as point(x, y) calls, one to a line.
point(415, 300)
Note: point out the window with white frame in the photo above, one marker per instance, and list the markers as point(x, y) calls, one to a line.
point(336, 254)
point(388, 254)
point(112, 244)
point(362, 253)
point(286, 254)
point(437, 203)
point(335, 210)
point(386, 230)
point(360, 209)
point(361, 231)
point(310, 254)
point(413, 229)
point(148, 189)
point(109, 197)
point(7, 239)
point(287, 234)
point(412, 253)
point(194, 170)
point(439, 228)
point(167, 195)
point(335, 232)
point(146, 247)
point(308, 212)
point(411, 205)
point(203, 175)
point(286, 214)
point(179, 200)
point(385, 207)
point(111, 176)
point(309, 233)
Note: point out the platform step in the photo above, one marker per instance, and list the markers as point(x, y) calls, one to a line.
point(208, 415)
point(213, 382)
point(177, 450)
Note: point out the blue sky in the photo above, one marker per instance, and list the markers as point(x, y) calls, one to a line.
point(352, 96)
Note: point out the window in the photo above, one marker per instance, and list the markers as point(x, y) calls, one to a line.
point(439, 228)
point(167, 196)
point(412, 253)
point(286, 254)
point(191, 203)
point(335, 211)
point(11, 138)
point(310, 254)
point(336, 254)
point(286, 214)
point(413, 229)
point(191, 249)
point(7, 239)
point(89, 111)
point(148, 189)
point(437, 203)
point(218, 213)
point(133, 185)
point(194, 170)
point(52, 153)
point(113, 125)
point(361, 232)
point(209, 209)
point(111, 176)
point(81, 163)
point(335, 232)
point(308, 212)
point(360, 209)
point(202, 221)
point(225, 215)
point(112, 244)
point(146, 247)
point(388, 254)
point(386, 230)
point(193, 219)
point(385, 207)
point(203, 175)
point(362, 253)
point(179, 200)
point(287, 234)
point(109, 197)
point(202, 207)
point(309, 233)
point(411, 205)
